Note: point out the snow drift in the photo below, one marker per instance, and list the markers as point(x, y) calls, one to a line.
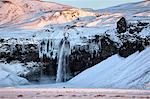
point(116, 72)
point(8, 78)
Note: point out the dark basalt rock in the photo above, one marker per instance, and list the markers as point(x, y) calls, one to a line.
point(138, 44)
point(122, 25)
point(134, 29)
point(129, 48)
point(1, 40)
point(109, 48)
point(79, 60)
point(142, 23)
point(82, 59)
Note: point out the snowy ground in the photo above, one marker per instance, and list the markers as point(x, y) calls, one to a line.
point(114, 72)
point(12, 93)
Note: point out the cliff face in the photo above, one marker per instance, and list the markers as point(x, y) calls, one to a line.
point(90, 52)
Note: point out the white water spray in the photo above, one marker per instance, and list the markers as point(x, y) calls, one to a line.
point(63, 71)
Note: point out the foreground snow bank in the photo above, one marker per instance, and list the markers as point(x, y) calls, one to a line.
point(116, 72)
point(8, 78)
point(15, 68)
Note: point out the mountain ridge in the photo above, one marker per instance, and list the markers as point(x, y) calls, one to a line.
point(33, 11)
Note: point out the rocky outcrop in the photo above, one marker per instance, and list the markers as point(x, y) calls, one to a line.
point(129, 48)
point(82, 58)
point(122, 25)
point(131, 40)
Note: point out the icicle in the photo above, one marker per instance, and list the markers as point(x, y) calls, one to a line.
point(48, 49)
point(41, 49)
point(12, 48)
point(95, 47)
point(45, 46)
point(23, 48)
point(88, 58)
point(100, 45)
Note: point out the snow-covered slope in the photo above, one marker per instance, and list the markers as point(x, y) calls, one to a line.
point(116, 72)
point(20, 11)
point(8, 78)
point(130, 8)
point(131, 11)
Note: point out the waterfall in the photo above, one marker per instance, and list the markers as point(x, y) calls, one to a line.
point(63, 60)
point(47, 48)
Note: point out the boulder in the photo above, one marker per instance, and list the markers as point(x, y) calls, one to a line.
point(122, 25)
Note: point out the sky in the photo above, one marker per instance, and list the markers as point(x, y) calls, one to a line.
point(95, 4)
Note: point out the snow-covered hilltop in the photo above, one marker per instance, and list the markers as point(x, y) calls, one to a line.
point(36, 34)
point(32, 14)
point(15, 12)
point(130, 8)
point(35, 14)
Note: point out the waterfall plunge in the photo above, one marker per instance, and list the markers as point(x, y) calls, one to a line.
point(63, 60)
point(46, 47)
